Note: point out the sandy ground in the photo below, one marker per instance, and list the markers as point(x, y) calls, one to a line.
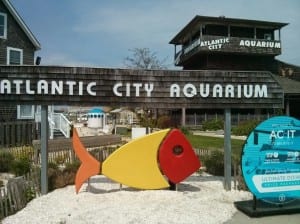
point(199, 199)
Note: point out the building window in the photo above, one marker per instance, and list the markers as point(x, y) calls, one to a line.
point(25, 112)
point(3, 25)
point(268, 36)
point(14, 56)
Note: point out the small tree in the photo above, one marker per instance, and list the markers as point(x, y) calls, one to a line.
point(143, 58)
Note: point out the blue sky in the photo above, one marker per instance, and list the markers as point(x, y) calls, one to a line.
point(100, 32)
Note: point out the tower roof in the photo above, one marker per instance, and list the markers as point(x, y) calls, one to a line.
point(222, 20)
point(96, 111)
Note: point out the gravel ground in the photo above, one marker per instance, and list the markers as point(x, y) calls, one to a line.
point(199, 199)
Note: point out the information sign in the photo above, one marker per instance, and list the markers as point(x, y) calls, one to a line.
point(271, 160)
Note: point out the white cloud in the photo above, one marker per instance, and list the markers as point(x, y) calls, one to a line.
point(62, 59)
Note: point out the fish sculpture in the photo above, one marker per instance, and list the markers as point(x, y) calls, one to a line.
point(148, 162)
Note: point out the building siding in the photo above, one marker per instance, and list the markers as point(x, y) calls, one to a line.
point(16, 38)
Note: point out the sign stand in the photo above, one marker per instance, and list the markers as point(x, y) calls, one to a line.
point(259, 208)
point(254, 202)
point(271, 168)
point(44, 149)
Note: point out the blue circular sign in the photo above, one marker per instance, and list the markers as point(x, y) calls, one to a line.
point(271, 160)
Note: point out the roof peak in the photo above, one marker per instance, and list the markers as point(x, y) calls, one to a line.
point(22, 24)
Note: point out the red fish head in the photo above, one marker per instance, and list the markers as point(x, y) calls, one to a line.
point(176, 157)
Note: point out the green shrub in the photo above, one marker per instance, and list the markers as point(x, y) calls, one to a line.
point(245, 128)
point(6, 161)
point(185, 130)
point(52, 165)
point(148, 122)
point(214, 162)
point(72, 167)
point(30, 193)
point(214, 124)
point(21, 166)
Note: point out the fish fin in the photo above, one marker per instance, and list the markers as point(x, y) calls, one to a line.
point(89, 165)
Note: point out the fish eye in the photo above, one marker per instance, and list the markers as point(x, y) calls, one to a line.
point(177, 150)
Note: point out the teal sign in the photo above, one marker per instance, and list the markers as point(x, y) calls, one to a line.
point(271, 160)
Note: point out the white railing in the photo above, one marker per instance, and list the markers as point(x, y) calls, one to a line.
point(57, 122)
point(51, 127)
point(61, 123)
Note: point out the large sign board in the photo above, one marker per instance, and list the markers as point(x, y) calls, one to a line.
point(271, 160)
point(234, 44)
point(44, 85)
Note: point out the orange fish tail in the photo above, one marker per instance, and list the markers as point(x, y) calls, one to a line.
point(89, 165)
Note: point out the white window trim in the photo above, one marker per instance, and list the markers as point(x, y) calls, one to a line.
point(5, 25)
point(21, 116)
point(13, 49)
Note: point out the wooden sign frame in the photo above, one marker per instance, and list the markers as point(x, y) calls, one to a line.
point(52, 85)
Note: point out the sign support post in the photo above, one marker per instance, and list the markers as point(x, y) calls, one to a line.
point(227, 150)
point(44, 149)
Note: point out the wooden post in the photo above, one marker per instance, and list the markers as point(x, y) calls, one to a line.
point(227, 150)
point(183, 116)
point(44, 149)
point(287, 107)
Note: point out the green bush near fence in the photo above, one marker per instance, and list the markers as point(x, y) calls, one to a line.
point(17, 165)
point(216, 147)
point(244, 128)
point(30, 194)
point(214, 162)
point(6, 160)
point(21, 166)
point(212, 125)
point(185, 130)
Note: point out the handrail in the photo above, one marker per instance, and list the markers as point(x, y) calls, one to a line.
point(62, 124)
point(57, 121)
